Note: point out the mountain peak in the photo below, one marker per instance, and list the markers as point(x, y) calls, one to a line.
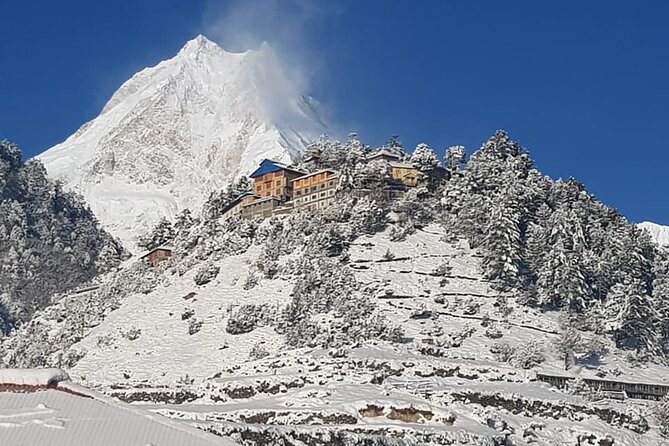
point(199, 44)
point(659, 233)
point(181, 129)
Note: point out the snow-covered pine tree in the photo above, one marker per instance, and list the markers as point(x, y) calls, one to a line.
point(184, 221)
point(561, 278)
point(661, 290)
point(394, 146)
point(501, 258)
point(162, 234)
point(356, 151)
point(424, 159)
point(632, 317)
point(454, 158)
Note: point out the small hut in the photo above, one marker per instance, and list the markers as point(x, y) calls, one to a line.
point(157, 255)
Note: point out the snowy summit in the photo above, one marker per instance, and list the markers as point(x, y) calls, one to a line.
point(180, 129)
point(659, 233)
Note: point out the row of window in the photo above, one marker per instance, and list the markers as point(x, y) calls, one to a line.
point(267, 185)
point(316, 179)
point(315, 197)
point(312, 189)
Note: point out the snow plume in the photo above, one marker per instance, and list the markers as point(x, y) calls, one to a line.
point(280, 30)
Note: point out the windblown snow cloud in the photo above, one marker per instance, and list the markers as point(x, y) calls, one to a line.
point(285, 25)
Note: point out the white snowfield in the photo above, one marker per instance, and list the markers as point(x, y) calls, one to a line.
point(33, 377)
point(443, 386)
point(659, 233)
point(180, 129)
point(70, 415)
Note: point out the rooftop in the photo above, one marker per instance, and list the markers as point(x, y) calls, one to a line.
point(315, 173)
point(50, 410)
point(157, 248)
point(382, 152)
point(402, 165)
point(270, 166)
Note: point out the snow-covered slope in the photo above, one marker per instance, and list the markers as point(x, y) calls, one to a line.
point(179, 129)
point(659, 233)
point(444, 384)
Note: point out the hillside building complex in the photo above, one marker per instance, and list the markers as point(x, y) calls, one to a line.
point(316, 190)
point(279, 188)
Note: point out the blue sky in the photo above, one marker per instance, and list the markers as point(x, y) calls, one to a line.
point(581, 84)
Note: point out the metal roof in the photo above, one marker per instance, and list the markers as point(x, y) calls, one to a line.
point(76, 416)
point(269, 166)
point(382, 152)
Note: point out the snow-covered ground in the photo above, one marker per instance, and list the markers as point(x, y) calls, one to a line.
point(442, 385)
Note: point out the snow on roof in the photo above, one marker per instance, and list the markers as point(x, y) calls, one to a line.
point(402, 165)
point(33, 377)
point(81, 417)
point(157, 248)
point(315, 173)
point(382, 152)
point(269, 166)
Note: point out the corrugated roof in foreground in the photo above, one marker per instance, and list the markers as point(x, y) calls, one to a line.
point(53, 417)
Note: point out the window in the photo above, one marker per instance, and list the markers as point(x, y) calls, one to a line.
point(259, 186)
point(323, 186)
point(322, 194)
point(278, 184)
point(331, 184)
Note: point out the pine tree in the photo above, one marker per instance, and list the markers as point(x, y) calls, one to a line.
point(424, 158)
point(661, 291)
point(455, 158)
point(162, 234)
point(502, 245)
point(562, 277)
point(632, 317)
point(184, 221)
point(394, 146)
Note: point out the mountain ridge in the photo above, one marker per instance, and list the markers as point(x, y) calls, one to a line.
point(180, 129)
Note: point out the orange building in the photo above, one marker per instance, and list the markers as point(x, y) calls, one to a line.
point(315, 190)
point(405, 173)
point(235, 208)
point(273, 179)
point(157, 255)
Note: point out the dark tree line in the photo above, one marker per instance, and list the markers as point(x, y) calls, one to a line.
point(50, 241)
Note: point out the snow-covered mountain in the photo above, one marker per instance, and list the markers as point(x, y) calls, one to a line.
point(179, 129)
point(659, 233)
